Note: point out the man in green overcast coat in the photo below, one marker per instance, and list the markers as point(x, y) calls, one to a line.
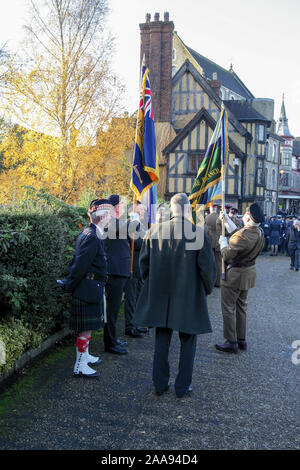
point(178, 269)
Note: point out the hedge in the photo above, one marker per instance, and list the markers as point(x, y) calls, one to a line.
point(37, 240)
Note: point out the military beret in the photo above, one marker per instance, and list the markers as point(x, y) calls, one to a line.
point(234, 210)
point(256, 213)
point(102, 204)
point(114, 199)
point(228, 206)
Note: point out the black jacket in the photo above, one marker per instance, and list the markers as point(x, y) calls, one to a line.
point(89, 257)
point(294, 238)
point(117, 248)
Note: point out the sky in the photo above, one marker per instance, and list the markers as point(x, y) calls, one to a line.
point(260, 38)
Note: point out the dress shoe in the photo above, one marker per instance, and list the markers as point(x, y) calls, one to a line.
point(242, 344)
point(188, 392)
point(141, 329)
point(121, 343)
point(134, 333)
point(297, 269)
point(116, 350)
point(227, 347)
point(161, 392)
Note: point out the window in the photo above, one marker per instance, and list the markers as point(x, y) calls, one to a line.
point(194, 162)
point(174, 54)
point(273, 179)
point(266, 178)
point(274, 152)
point(286, 159)
point(261, 132)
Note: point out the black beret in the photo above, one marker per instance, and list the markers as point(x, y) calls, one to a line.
point(114, 199)
point(96, 203)
point(234, 210)
point(256, 213)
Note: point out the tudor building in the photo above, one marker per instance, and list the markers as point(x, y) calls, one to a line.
point(187, 92)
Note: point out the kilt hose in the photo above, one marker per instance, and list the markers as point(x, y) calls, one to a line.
point(86, 316)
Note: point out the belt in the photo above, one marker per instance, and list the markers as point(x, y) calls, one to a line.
point(96, 277)
point(241, 265)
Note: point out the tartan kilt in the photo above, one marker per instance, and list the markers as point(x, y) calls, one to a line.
point(86, 316)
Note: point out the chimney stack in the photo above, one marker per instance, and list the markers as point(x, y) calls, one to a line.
point(215, 84)
point(157, 45)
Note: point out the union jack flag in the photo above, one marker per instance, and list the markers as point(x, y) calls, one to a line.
point(145, 162)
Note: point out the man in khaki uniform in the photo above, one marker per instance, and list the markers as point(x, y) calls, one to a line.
point(239, 254)
point(210, 226)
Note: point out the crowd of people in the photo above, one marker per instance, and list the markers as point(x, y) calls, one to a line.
point(164, 274)
point(282, 235)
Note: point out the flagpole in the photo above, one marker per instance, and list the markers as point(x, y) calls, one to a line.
point(223, 204)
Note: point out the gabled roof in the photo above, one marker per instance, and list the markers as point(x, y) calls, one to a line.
point(202, 114)
point(188, 67)
point(228, 78)
point(245, 112)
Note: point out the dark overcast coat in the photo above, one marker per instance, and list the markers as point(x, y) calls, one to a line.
point(176, 280)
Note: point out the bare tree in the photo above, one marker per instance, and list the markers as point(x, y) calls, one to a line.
point(62, 82)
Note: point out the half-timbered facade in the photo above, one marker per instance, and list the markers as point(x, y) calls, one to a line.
point(188, 91)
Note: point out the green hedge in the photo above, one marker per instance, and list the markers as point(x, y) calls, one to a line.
point(37, 240)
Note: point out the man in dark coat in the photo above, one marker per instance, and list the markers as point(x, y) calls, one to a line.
point(86, 280)
point(294, 245)
point(210, 225)
point(117, 250)
point(138, 224)
point(178, 269)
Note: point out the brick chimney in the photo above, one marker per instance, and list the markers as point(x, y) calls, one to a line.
point(156, 45)
point(215, 84)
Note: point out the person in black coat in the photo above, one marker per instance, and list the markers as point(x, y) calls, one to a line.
point(294, 245)
point(275, 229)
point(86, 279)
point(178, 269)
point(139, 225)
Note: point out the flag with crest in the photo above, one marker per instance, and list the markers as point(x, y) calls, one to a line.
point(145, 172)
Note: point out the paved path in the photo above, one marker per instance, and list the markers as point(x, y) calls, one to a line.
point(244, 401)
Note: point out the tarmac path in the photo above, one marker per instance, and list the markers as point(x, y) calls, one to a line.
point(244, 401)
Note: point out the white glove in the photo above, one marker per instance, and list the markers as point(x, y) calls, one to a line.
point(223, 242)
point(134, 216)
point(228, 222)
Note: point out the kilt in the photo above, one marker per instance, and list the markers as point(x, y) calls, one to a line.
point(86, 316)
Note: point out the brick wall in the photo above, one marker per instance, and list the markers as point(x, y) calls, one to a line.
point(156, 45)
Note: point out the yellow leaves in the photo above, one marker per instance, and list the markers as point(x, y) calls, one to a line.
point(33, 158)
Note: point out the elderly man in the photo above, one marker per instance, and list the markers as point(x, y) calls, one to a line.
point(85, 280)
point(178, 269)
point(239, 253)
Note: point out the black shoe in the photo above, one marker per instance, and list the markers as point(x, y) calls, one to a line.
point(188, 392)
point(134, 333)
point(297, 269)
point(141, 329)
point(121, 343)
point(116, 350)
point(161, 392)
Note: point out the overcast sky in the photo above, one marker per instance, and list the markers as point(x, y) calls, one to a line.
point(260, 38)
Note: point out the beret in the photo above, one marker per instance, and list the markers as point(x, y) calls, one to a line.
point(97, 204)
point(114, 199)
point(234, 210)
point(256, 213)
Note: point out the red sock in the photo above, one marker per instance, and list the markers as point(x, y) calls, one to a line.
point(82, 343)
